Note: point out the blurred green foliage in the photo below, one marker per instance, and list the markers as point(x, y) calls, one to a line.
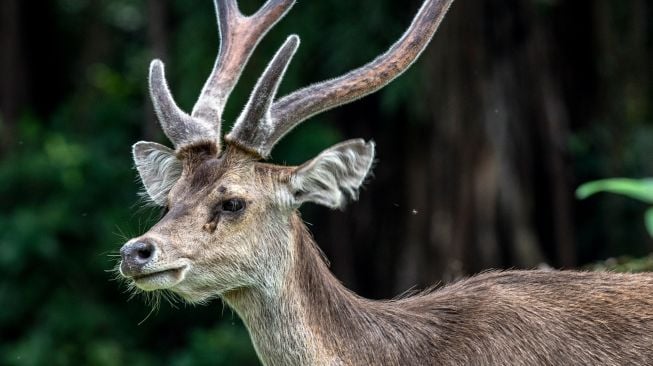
point(624, 264)
point(641, 190)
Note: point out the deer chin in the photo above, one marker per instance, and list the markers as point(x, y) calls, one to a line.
point(201, 293)
point(194, 297)
point(161, 279)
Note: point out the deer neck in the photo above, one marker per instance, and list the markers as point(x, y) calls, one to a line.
point(295, 323)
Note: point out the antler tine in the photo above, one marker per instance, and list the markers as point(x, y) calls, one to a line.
point(177, 125)
point(239, 36)
point(289, 111)
point(250, 127)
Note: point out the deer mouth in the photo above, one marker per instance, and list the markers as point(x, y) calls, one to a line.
point(160, 279)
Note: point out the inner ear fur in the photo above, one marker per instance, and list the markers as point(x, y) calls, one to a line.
point(333, 177)
point(159, 169)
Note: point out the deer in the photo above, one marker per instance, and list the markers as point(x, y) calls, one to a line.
point(232, 230)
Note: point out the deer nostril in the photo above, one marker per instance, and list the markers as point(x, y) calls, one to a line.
point(137, 253)
point(145, 253)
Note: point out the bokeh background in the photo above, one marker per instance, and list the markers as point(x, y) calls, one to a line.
point(481, 146)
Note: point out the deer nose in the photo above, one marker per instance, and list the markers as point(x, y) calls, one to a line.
point(135, 255)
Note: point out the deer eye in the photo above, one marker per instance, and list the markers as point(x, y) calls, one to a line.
point(233, 205)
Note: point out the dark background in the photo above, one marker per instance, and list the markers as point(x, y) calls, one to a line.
point(480, 146)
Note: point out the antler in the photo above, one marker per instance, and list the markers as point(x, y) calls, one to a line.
point(260, 134)
point(239, 36)
point(256, 115)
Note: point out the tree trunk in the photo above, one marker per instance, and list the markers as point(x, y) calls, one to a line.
point(12, 85)
point(157, 33)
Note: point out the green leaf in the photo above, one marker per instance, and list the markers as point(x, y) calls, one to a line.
point(640, 189)
point(648, 220)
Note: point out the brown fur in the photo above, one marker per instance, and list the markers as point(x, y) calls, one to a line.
point(494, 318)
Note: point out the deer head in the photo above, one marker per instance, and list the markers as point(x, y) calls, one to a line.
point(229, 214)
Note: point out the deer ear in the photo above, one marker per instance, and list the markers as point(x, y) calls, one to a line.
point(158, 168)
point(334, 176)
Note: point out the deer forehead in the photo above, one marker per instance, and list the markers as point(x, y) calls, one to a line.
point(214, 178)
